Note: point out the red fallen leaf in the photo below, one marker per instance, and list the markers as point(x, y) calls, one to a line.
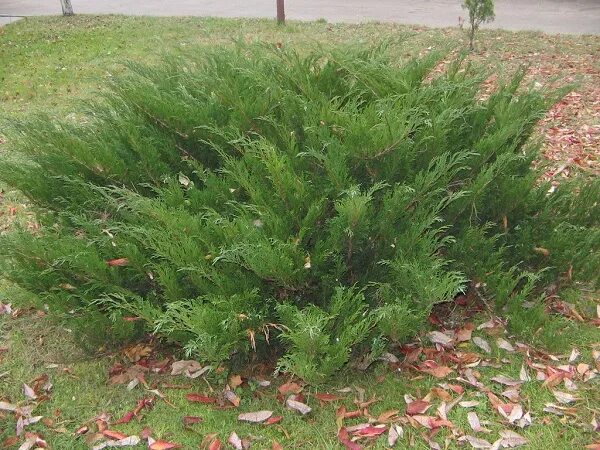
point(276, 446)
point(370, 431)
point(118, 262)
point(344, 438)
point(290, 388)
point(191, 420)
point(457, 388)
point(215, 445)
point(434, 369)
point(164, 445)
point(417, 407)
point(595, 446)
point(114, 434)
point(273, 420)
point(126, 418)
point(327, 397)
point(199, 398)
point(353, 414)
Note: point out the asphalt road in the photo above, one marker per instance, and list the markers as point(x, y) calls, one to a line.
point(551, 16)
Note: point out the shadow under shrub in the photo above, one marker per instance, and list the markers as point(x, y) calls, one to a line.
point(255, 200)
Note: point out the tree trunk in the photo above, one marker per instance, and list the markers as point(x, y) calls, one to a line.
point(280, 12)
point(67, 8)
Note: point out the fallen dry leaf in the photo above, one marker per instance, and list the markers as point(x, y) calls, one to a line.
point(302, 408)
point(434, 369)
point(344, 439)
point(482, 344)
point(191, 420)
point(162, 445)
point(255, 417)
point(396, 432)
point(417, 407)
point(476, 442)
point(475, 423)
point(440, 338)
point(231, 397)
point(503, 379)
point(235, 441)
point(199, 398)
point(290, 388)
point(505, 345)
point(511, 439)
point(323, 397)
point(564, 397)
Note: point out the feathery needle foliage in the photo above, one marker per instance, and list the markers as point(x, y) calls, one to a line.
point(258, 201)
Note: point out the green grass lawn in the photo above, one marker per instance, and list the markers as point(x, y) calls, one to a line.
point(51, 64)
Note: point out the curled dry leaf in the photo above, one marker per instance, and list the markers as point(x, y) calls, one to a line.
point(482, 344)
point(302, 408)
point(255, 417)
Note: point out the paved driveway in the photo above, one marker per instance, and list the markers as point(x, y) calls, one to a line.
point(552, 16)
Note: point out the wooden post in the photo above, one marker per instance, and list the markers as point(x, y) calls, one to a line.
point(280, 12)
point(67, 8)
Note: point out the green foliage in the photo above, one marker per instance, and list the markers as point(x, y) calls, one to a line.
point(256, 200)
point(480, 11)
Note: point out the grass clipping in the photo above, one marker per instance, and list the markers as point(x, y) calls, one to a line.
point(256, 200)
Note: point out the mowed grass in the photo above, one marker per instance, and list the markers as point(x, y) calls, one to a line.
point(51, 64)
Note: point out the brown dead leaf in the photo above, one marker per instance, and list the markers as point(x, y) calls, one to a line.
point(137, 352)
